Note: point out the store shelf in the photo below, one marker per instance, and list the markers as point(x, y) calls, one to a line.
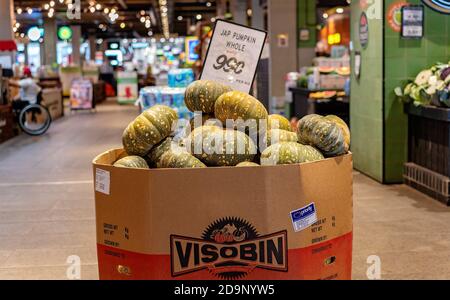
point(429, 112)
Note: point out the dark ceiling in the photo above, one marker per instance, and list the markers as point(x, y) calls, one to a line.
point(129, 13)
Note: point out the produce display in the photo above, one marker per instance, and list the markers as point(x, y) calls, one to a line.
point(430, 87)
point(150, 142)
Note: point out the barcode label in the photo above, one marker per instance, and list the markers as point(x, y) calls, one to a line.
point(102, 181)
point(303, 217)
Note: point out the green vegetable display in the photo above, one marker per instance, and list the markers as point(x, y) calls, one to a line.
point(323, 134)
point(201, 95)
point(221, 147)
point(289, 153)
point(131, 161)
point(148, 129)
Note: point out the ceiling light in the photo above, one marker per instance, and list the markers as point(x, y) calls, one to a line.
point(249, 12)
point(325, 15)
point(46, 6)
point(29, 10)
point(339, 10)
point(122, 25)
point(22, 35)
point(142, 19)
point(180, 18)
point(150, 33)
point(106, 10)
point(61, 1)
point(208, 4)
point(142, 12)
point(19, 10)
point(147, 25)
point(213, 20)
point(98, 6)
point(52, 3)
point(198, 17)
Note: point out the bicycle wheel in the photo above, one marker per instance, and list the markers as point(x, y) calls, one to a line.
point(35, 119)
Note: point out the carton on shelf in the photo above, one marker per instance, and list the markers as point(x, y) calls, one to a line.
point(275, 222)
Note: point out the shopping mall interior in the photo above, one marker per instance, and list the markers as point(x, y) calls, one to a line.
point(95, 183)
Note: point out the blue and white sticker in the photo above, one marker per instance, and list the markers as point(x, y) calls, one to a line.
point(304, 217)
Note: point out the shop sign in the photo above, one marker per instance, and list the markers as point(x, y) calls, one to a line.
point(65, 33)
point(191, 44)
point(233, 55)
point(304, 34)
point(363, 30)
point(34, 33)
point(412, 21)
point(394, 15)
point(442, 6)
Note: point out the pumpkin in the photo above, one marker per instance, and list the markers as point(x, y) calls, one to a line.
point(206, 120)
point(179, 159)
point(155, 154)
point(343, 126)
point(289, 153)
point(220, 147)
point(247, 164)
point(148, 129)
point(323, 134)
point(276, 121)
point(131, 161)
point(201, 95)
point(239, 105)
point(279, 135)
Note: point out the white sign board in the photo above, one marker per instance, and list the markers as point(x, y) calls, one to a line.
point(233, 55)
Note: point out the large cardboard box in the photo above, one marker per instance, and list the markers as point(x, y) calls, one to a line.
point(278, 222)
point(52, 99)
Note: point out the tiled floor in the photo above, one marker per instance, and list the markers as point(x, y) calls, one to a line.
point(47, 208)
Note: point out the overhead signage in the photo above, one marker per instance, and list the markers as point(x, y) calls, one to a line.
point(412, 21)
point(233, 55)
point(442, 6)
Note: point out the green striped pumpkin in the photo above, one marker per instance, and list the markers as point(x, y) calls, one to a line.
point(221, 147)
point(148, 129)
point(201, 95)
point(285, 153)
point(279, 135)
point(276, 121)
point(323, 134)
point(131, 161)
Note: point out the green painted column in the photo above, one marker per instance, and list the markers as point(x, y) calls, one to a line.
point(366, 99)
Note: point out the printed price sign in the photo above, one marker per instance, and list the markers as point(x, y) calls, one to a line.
point(233, 55)
point(412, 21)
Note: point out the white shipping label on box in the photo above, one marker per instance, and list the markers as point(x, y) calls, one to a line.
point(233, 55)
point(304, 217)
point(102, 181)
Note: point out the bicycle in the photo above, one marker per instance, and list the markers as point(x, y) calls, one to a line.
point(33, 118)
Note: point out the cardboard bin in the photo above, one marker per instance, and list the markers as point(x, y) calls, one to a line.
point(275, 222)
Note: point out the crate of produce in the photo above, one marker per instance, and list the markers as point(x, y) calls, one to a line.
point(167, 207)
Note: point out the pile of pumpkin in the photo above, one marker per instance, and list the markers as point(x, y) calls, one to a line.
point(149, 140)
